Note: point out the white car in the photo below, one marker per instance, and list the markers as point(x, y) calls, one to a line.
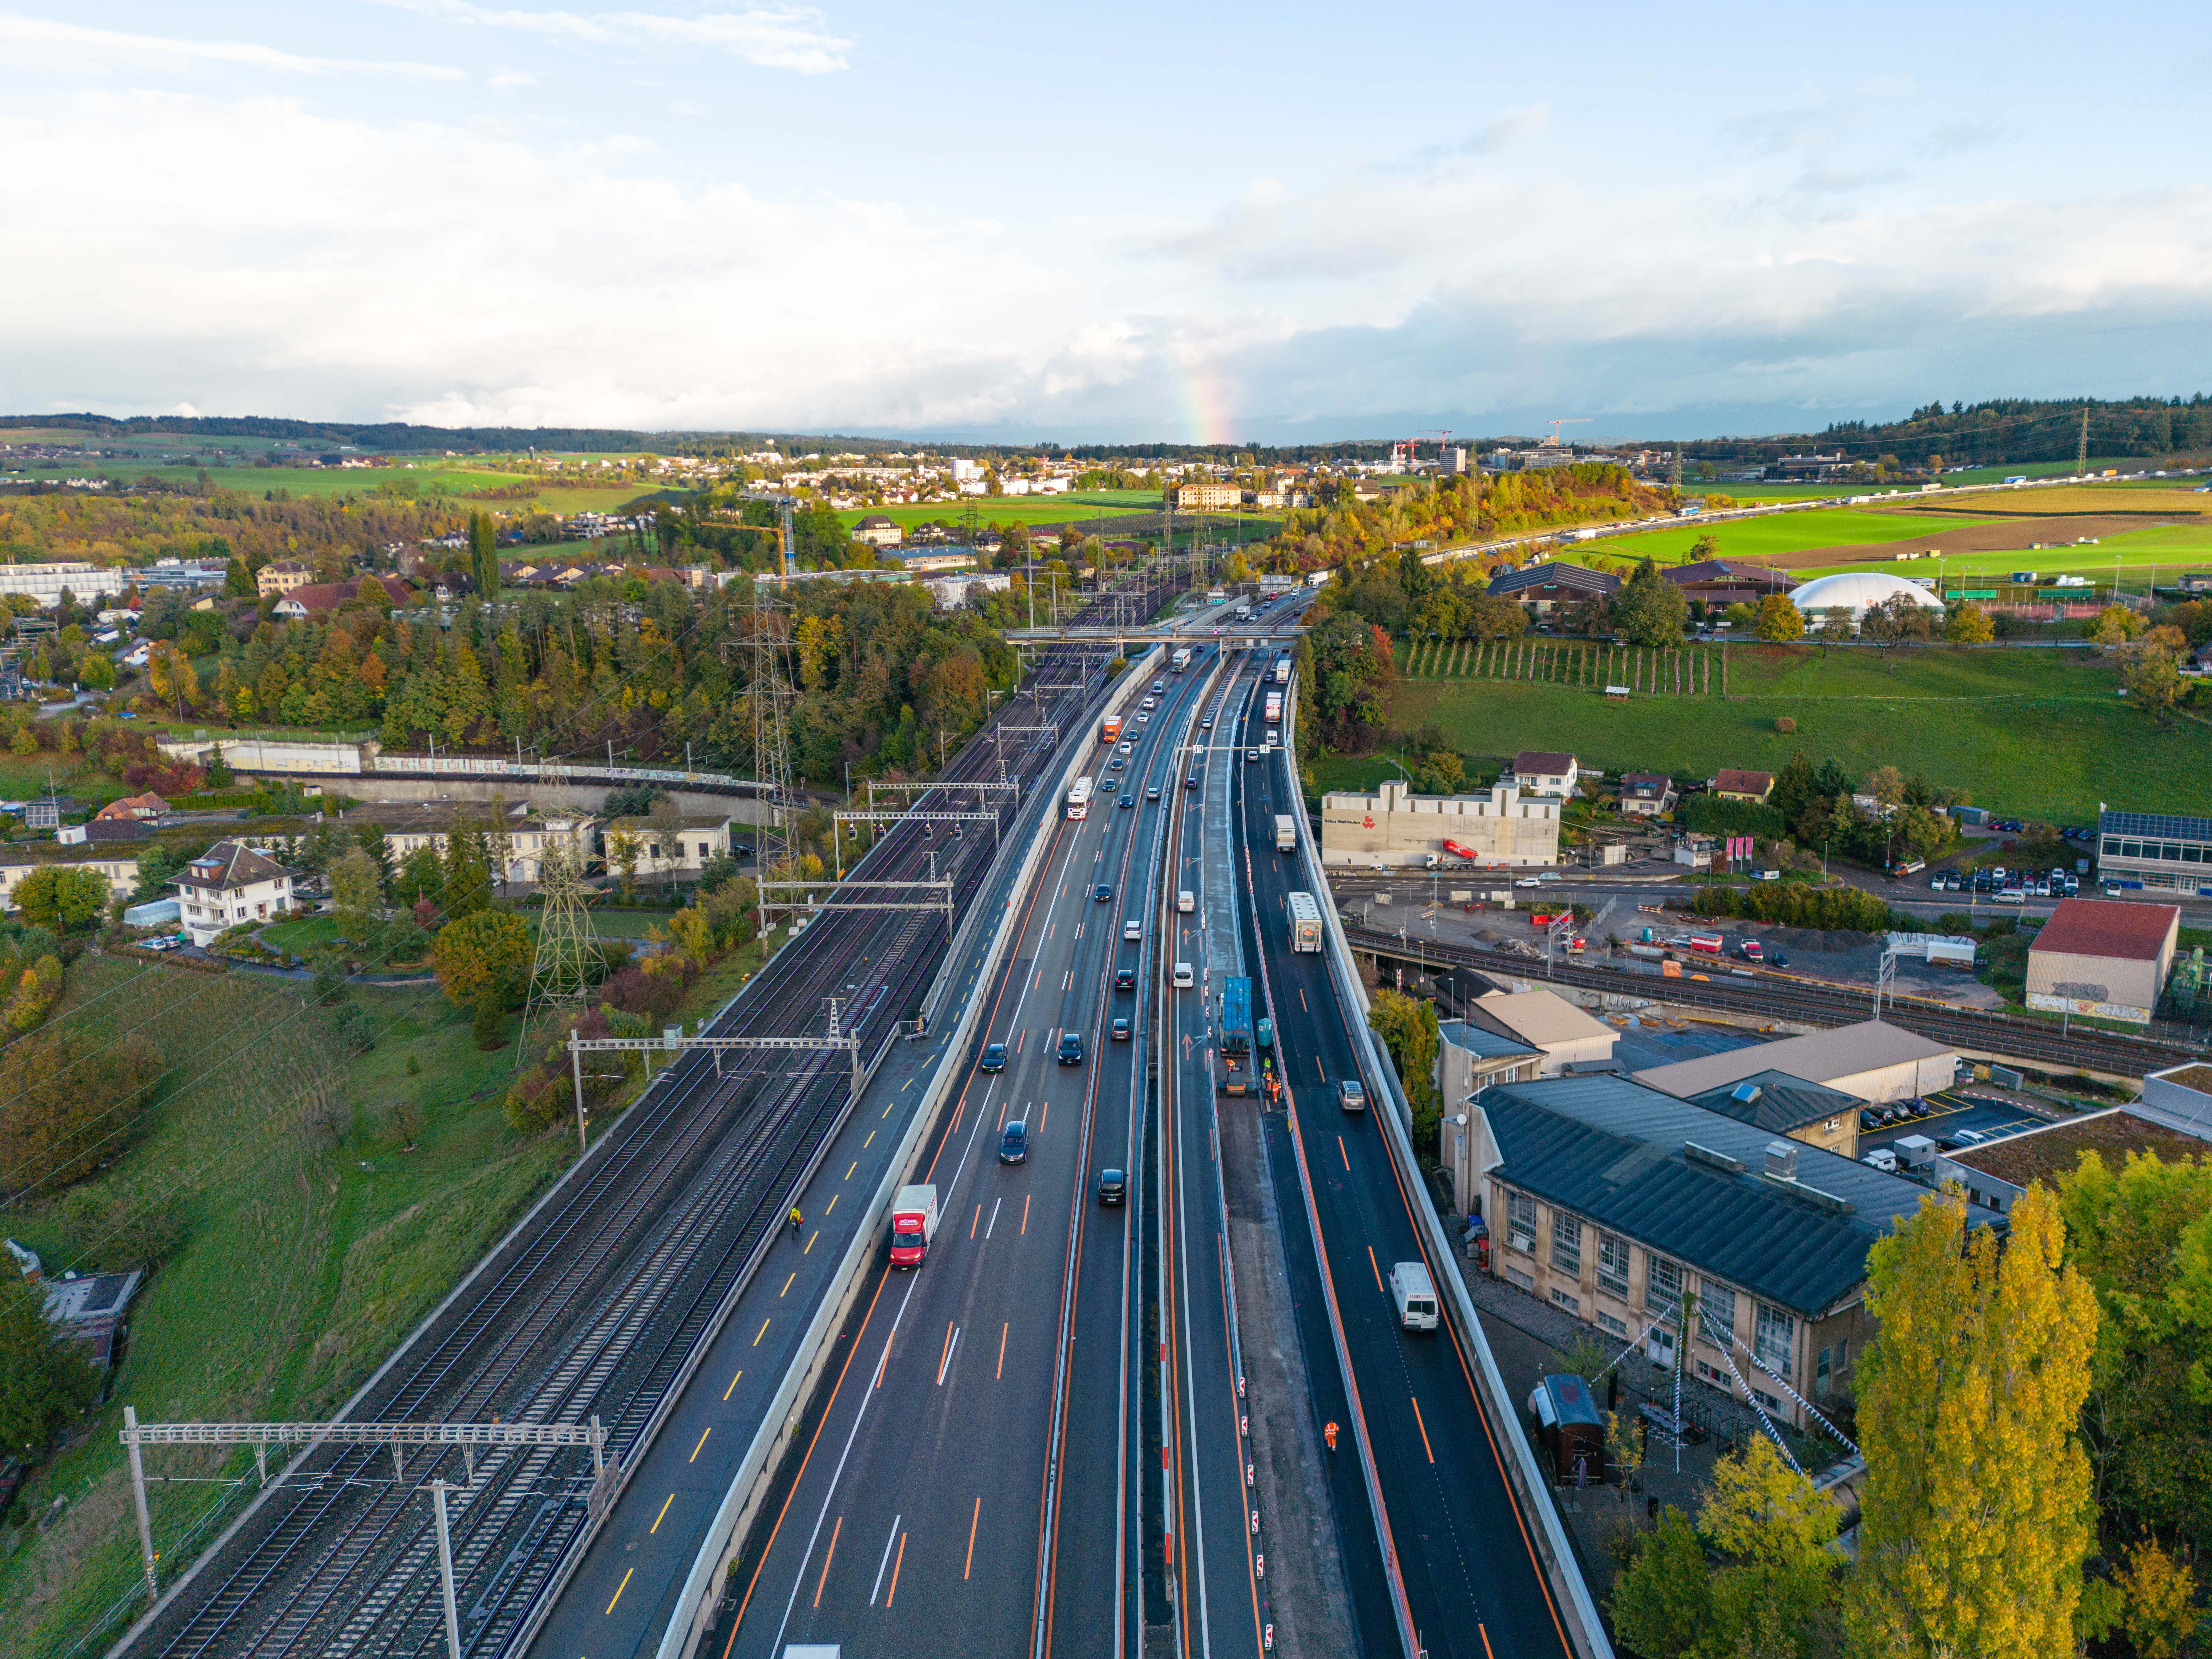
point(1528, 881)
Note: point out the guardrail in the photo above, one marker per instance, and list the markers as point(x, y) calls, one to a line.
point(694, 1611)
point(1548, 1537)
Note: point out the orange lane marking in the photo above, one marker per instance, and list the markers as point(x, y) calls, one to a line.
point(1001, 1371)
point(946, 1352)
point(977, 1222)
point(969, 1564)
point(827, 1559)
point(1424, 1428)
point(1486, 1640)
point(1345, 1156)
point(1025, 1215)
point(1372, 1263)
point(891, 1595)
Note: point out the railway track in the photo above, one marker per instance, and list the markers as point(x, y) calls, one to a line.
point(1969, 1028)
point(596, 1307)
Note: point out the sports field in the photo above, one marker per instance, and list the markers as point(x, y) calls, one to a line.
point(2031, 732)
point(1005, 510)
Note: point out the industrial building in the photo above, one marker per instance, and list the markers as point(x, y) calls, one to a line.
point(2150, 850)
point(2104, 957)
point(1500, 827)
point(1872, 1060)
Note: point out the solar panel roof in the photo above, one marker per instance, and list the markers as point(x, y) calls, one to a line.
point(2160, 824)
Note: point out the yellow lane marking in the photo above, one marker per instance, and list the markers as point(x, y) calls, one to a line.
point(703, 1433)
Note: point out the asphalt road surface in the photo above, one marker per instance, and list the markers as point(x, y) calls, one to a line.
point(966, 1483)
point(1472, 1587)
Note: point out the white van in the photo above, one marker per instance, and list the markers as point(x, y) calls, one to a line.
point(1184, 979)
point(1186, 901)
point(1415, 1294)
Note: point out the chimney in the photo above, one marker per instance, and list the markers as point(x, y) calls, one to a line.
point(1782, 1160)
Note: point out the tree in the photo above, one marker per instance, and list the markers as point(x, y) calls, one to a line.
point(484, 555)
point(666, 822)
point(2152, 674)
point(68, 1103)
point(153, 873)
point(2162, 1592)
point(56, 897)
point(1649, 608)
point(2143, 1234)
point(466, 888)
point(1779, 620)
point(1663, 1605)
point(1969, 624)
point(45, 1379)
point(355, 894)
point(1408, 1028)
point(625, 848)
point(421, 876)
point(486, 954)
point(1836, 625)
point(1976, 1515)
point(1776, 1529)
point(2115, 626)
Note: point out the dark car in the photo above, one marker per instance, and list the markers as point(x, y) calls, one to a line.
point(1014, 1145)
point(1071, 1048)
point(1120, 1030)
point(1125, 979)
point(1128, 800)
point(1113, 1187)
point(994, 1058)
point(1116, 764)
point(1102, 892)
point(1778, 959)
point(744, 849)
point(1869, 1119)
point(1191, 782)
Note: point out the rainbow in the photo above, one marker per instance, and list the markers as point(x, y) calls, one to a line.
point(1205, 398)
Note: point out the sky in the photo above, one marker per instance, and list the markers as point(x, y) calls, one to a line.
point(1195, 222)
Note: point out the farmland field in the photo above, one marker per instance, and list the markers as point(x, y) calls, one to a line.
point(2032, 732)
point(1762, 539)
point(999, 510)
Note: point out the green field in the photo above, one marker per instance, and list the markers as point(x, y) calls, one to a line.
point(1001, 510)
point(327, 1202)
point(1769, 537)
point(2030, 732)
point(2143, 557)
point(457, 481)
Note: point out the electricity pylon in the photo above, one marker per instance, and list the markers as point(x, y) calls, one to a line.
point(768, 691)
point(560, 973)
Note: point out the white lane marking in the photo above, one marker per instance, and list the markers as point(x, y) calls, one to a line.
point(886, 1561)
point(994, 1221)
point(950, 1348)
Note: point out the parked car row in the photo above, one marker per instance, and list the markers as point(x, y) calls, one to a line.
point(2008, 885)
point(1899, 1111)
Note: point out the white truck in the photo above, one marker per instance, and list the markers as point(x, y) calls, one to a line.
point(1305, 922)
point(914, 1224)
point(1286, 833)
point(1415, 1294)
point(1179, 659)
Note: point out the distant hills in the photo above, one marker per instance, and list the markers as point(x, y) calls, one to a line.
point(1994, 433)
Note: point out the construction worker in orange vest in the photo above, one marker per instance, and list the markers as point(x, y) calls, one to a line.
point(1328, 1433)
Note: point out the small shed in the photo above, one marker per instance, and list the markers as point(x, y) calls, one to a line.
point(154, 913)
point(1569, 1429)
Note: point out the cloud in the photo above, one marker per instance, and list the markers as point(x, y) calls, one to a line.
point(512, 78)
point(72, 48)
point(789, 38)
point(1506, 130)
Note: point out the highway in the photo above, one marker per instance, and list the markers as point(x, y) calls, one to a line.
point(967, 1473)
point(596, 1305)
point(1472, 1586)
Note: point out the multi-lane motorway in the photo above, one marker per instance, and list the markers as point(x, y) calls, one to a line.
point(1471, 1582)
point(969, 1476)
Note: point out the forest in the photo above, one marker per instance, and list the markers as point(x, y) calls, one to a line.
point(2001, 430)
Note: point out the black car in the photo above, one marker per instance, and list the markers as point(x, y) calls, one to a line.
point(1071, 1048)
point(1014, 1145)
point(1113, 1187)
point(1191, 782)
point(1869, 1119)
point(994, 1058)
point(1102, 892)
point(1116, 764)
point(1251, 755)
point(1778, 959)
point(1120, 1028)
point(1125, 979)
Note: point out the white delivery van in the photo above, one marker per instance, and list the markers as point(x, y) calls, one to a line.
point(1184, 979)
point(1415, 1294)
point(1186, 902)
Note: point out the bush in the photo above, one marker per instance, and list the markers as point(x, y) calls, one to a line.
point(1785, 724)
point(1712, 816)
point(69, 1103)
point(1826, 907)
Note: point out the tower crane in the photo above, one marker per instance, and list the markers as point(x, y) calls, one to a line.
point(1579, 420)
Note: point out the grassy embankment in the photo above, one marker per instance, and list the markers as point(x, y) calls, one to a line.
point(327, 1202)
point(2034, 733)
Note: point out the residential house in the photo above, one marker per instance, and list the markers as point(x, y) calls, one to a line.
point(1646, 794)
point(1753, 786)
point(693, 842)
point(1543, 772)
point(1873, 1062)
point(1617, 1204)
point(105, 832)
point(1785, 1105)
point(1208, 497)
point(150, 807)
point(519, 837)
point(230, 885)
point(119, 867)
point(1723, 582)
point(879, 530)
point(320, 599)
point(281, 577)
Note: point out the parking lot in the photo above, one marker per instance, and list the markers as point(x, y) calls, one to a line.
point(1956, 1110)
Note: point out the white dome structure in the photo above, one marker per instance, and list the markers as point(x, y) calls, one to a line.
point(1857, 592)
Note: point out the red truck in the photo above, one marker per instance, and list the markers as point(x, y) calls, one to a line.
point(914, 1224)
point(1751, 951)
point(1546, 918)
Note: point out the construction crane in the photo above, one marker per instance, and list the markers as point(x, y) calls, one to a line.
point(1580, 420)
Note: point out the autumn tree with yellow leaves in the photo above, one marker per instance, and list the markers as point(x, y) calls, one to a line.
point(1977, 1514)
